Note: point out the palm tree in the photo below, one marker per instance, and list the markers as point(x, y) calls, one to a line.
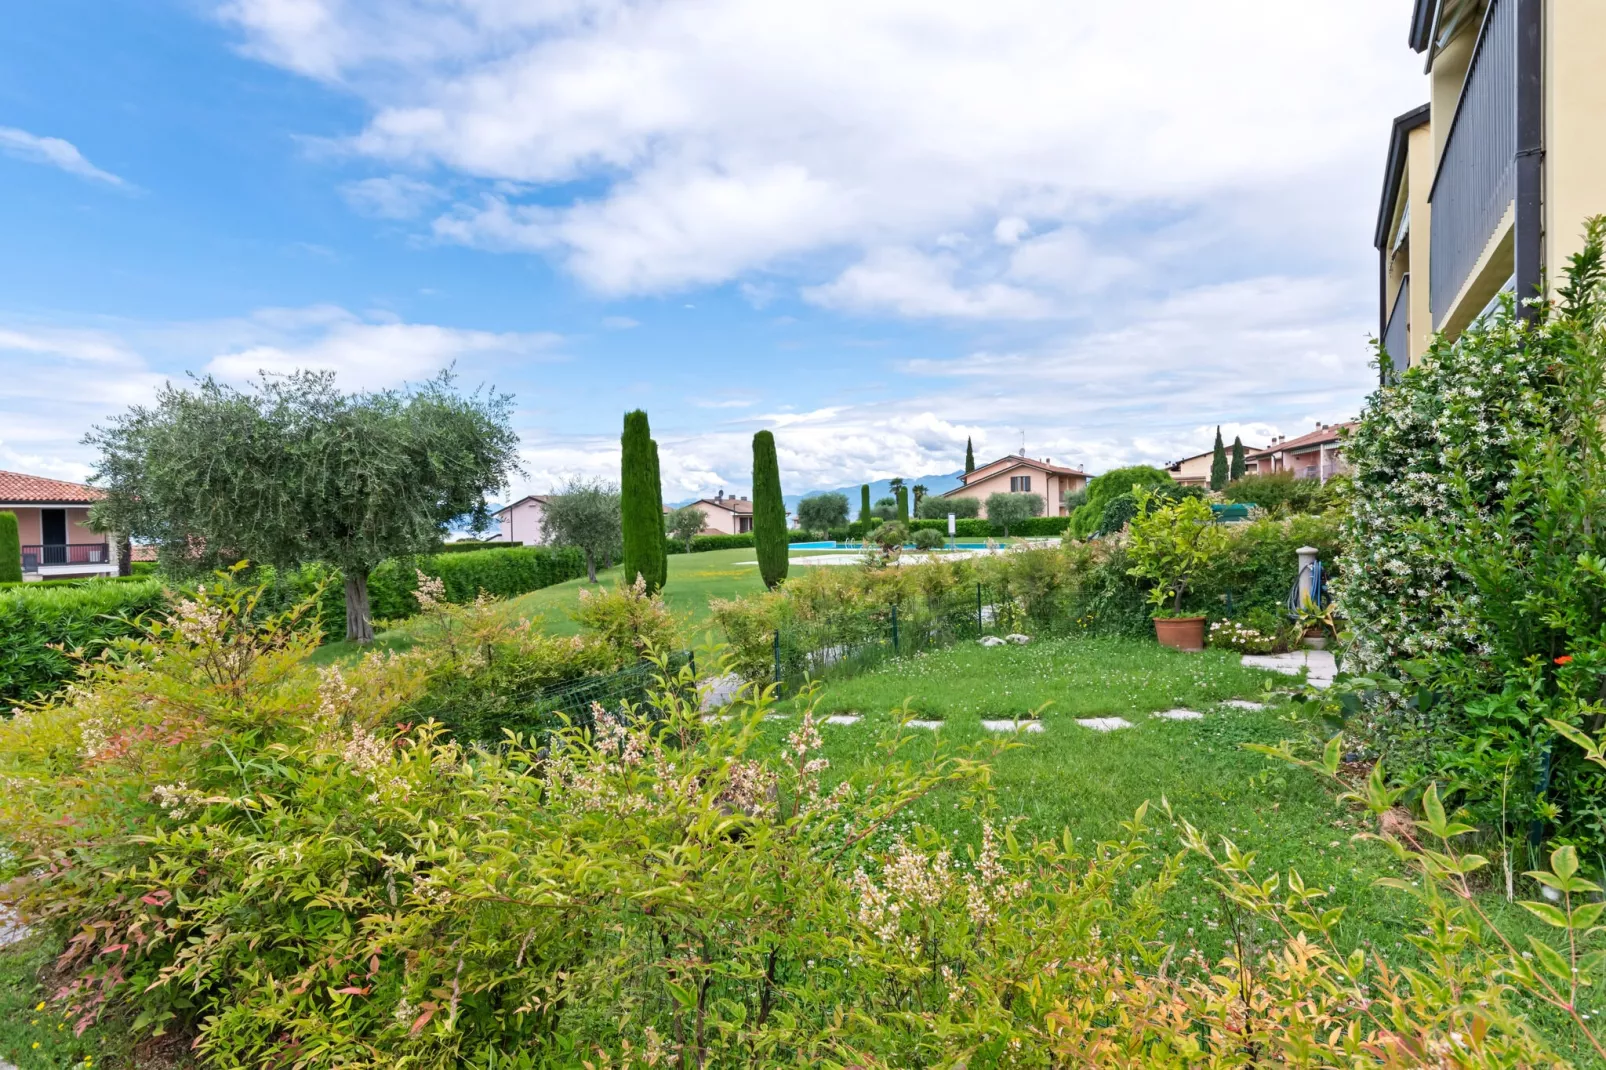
point(919, 493)
point(895, 482)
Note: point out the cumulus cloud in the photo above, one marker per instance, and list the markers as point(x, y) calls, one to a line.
point(391, 196)
point(916, 285)
point(52, 152)
point(713, 139)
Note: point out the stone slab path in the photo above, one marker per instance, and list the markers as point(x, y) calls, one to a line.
point(1243, 704)
point(1321, 665)
point(842, 718)
point(1181, 715)
point(1013, 726)
point(1105, 724)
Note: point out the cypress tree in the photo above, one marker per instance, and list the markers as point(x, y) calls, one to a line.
point(864, 506)
point(638, 528)
point(10, 549)
point(769, 512)
point(970, 457)
point(1218, 464)
point(1237, 471)
point(661, 574)
point(903, 504)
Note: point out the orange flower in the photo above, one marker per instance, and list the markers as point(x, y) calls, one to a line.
point(1565, 659)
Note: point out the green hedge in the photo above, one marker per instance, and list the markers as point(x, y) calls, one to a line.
point(81, 581)
point(468, 546)
point(36, 618)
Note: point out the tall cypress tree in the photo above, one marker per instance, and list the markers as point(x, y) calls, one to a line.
point(1218, 464)
point(970, 457)
point(769, 511)
point(639, 529)
point(903, 504)
point(661, 575)
point(1237, 471)
point(10, 549)
point(864, 506)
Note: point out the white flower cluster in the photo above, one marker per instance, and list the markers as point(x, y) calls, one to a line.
point(1230, 635)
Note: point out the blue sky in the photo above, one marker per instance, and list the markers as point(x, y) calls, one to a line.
point(876, 229)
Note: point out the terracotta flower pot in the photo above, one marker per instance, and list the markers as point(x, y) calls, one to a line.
point(1180, 633)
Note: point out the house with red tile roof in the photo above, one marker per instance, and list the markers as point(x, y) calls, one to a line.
point(1020, 474)
point(1316, 454)
point(53, 521)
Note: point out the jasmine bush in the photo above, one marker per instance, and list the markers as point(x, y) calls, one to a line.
point(256, 857)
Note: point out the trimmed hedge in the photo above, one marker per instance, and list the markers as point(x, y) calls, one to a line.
point(981, 529)
point(78, 581)
point(467, 546)
point(36, 619)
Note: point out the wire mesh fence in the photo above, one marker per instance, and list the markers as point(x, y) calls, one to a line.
point(536, 713)
point(853, 640)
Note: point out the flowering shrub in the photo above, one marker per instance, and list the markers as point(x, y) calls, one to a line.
point(1231, 635)
point(1476, 565)
point(253, 855)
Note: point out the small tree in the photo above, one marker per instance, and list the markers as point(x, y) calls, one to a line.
point(885, 508)
point(641, 515)
point(1007, 509)
point(1218, 464)
point(291, 471)
point(903, 504)
point(1172, 542)
point(686, 523)
point(585, 514)
point(936, 507)
point(822, 512)
point(661, 518)
point(10, 549)
point(864, 504)
point(769, 512)
point(1237, 470)
point(970, 457)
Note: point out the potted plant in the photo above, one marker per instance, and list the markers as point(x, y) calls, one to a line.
point(1171, 542)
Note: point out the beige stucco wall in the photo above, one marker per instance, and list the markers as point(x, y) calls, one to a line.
point(1195, 469)
point(28, 526)
point(721, 521)
point(1051, 486)
point(1419, 177)
point(1575, 125)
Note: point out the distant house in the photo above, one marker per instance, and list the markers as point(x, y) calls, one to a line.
point(53, 521)
point(1195, 471)
point(1019, 474)
point(521, 521)
point(1315, 455)
point(724, 516)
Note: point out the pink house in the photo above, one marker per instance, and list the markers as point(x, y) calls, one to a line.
point(521, 521)
point(1016, 474)
point(53, 522)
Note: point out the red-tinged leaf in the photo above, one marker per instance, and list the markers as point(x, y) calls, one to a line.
point(373, 966)
point(157, 898)
point(114, 947)
point(352, 990)
point(421, 1021)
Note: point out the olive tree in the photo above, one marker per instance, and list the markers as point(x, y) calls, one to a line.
point(291, 470)
point(1007, 509)
point(686, 523)
point(585, 514)
point(822, 512)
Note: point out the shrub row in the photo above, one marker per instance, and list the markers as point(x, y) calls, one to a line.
point(40, 623)
point(80, 581)
point(469, 546)
point(970, 529)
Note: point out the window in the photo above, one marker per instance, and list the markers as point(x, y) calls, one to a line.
point(1020, 484)
point(744, 524)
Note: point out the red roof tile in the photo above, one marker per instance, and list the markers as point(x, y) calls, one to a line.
point(19, 489)
point(1318, 437)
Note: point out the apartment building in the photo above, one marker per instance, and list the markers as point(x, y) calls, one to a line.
point(1487, 185)
point(1020, 474)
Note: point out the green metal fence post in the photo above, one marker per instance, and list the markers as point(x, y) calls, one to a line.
point(894, 629)
point(980, 630)
point(777, 655)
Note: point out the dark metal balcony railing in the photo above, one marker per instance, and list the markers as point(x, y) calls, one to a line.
point(72, 553)
point(1477, 177)
point(1396, 337)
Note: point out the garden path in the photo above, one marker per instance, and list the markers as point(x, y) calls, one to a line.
point(1321, 665)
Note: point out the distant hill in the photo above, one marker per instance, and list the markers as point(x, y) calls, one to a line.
point(881, 488)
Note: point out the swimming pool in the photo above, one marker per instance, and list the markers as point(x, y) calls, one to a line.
point(860, 546)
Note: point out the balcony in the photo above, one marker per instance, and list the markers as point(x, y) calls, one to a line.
point(1396, 336)
point(1477, 177)
point(65, 555)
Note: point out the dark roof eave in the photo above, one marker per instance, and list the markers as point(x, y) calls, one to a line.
point(1394, 169)
point(1423, 14)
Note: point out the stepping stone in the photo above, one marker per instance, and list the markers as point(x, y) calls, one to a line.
point(1181, 715)
point(1104, 724)
point(842, 718)
point(720, 690)
point(1243, 704)
point(1321, 665)
point(1013, 726)
point(991, 640)
point(933, 725)
point(1018, 639)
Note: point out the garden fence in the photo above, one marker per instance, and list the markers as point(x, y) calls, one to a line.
point(539, 712)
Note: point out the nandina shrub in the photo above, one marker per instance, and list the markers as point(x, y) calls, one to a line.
point(255, 855)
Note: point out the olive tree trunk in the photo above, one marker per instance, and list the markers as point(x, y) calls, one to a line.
point(359, 620)
point(591, 565)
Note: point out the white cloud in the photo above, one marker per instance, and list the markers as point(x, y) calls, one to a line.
point(391, 196)
point(916, 285)
point(52, 152)
point(722, 137)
